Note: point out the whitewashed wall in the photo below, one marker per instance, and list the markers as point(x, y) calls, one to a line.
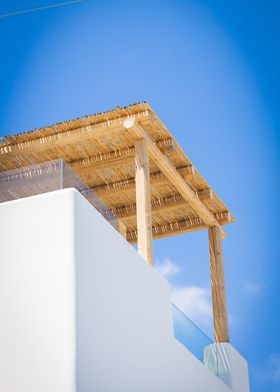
point(37, 294)
point(80, 310)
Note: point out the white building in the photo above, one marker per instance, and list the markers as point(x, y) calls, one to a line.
point(81, 310)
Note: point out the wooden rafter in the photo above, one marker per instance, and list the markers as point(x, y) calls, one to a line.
point(156, 178)
point(121, 157)
point(73, 136)
point(178, 227)
point(161, 204)
point(173, 176)
point(164, 230)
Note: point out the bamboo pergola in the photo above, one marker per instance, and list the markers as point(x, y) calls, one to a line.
point(132, 162)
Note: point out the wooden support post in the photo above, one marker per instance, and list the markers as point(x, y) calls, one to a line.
point(143, 200)
point(218, 285)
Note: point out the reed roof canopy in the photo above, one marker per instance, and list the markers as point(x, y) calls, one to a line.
point(100, 148)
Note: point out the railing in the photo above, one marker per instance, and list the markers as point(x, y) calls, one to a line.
point(192, 337)
point(47, 177)
point(200, 345)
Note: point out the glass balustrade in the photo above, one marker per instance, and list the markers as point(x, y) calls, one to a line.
point(189, 334)
point(212, 355)
point(47, 177)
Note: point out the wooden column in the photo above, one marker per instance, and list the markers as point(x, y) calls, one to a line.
point(143, 201)
point(218, 285)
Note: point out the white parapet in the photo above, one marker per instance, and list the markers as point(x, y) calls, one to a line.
point(224, 361)
point(80, 310)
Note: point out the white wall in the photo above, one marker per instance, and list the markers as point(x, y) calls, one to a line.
point(37, 314)
point(125, 338)
point(79, 306)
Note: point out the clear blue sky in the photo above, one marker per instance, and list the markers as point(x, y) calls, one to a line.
point(210, 70)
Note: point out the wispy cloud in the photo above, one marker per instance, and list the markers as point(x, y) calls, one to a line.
point(168, 268)
point(269, 370)
point(195, 302)
point(253, 287)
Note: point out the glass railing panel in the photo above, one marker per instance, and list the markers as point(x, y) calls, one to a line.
point(190, 335)
point(211, 354)
point(72, 180)
point(30, 180)
point(47, 177)
point(216, 360)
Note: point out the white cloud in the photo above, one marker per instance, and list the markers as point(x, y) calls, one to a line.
point(269, 370)
point(252, 287)
point(168, 268)
point(195, 302)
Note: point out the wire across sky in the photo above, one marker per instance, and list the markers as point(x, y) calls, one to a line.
point(40, 8)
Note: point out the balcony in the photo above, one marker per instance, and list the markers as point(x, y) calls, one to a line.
point(57, 175)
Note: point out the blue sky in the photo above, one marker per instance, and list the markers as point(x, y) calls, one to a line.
point(210, 71)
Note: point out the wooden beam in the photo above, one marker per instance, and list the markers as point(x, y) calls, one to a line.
point(162, 204)
point(97, 161)
point(117, 157)
point(143, 200)
point(179, 227)
point(218, 286)
point(156, 178)
point(76, 135)
point(173, 176)
point(205, 194)
point(161, 231)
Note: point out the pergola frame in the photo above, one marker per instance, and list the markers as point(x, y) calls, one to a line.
point(144, 147)
point(164, 195)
